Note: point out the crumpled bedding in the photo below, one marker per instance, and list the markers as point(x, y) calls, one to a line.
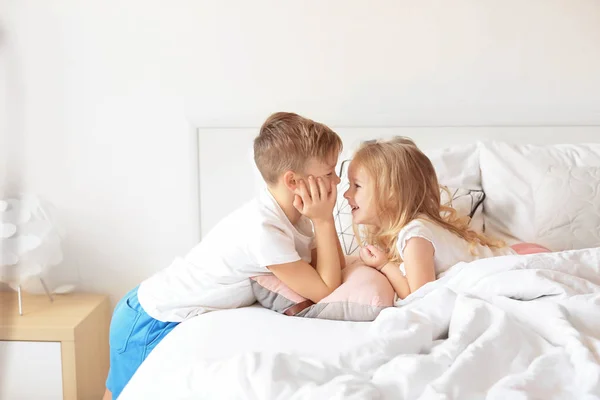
point(518, 327)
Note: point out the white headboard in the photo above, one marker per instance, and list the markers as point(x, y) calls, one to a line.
point(228, 178)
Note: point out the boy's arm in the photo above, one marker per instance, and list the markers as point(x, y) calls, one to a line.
point(314, 283)
point(318, 281)
point(341, 253)
point(315, 202)
point(303, 279)
point(328, 264)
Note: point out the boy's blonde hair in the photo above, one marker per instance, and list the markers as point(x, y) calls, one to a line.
point(406, 187)
point(287, 141)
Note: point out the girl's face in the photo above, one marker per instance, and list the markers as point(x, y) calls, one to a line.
point(361, 195)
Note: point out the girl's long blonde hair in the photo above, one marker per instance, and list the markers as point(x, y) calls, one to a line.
point(405, 188)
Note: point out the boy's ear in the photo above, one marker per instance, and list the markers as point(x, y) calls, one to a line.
point(290, 181)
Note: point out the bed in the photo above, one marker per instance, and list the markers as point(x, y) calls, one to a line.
point(509, 327)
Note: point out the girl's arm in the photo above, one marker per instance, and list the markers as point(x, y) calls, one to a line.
point(419, 265)
point(397, 280)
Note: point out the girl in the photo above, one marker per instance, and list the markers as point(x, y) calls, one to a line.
point(404, 230)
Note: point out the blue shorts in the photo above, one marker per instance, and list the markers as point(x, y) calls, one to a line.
point(133, 335)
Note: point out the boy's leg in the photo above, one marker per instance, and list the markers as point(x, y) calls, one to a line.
point(133, 334)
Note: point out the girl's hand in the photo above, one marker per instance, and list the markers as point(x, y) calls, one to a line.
point(373, 256)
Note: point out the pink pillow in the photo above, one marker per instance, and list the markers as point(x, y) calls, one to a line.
point(364, 292)
point(529, 248)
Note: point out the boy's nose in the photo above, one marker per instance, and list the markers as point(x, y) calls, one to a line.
point(346, 196)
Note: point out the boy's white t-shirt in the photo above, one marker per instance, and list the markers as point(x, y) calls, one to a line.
point(449, 248)
point(215, 273)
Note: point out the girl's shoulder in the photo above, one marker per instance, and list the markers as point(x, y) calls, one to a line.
point(418, 223)
point(418, 227)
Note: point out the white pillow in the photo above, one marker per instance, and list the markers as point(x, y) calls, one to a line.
point(467, 203)
point(457, 166)
point(533, 193)
point(575, 191)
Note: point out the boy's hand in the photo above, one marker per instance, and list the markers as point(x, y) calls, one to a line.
point(373, 256)
point(316, 199)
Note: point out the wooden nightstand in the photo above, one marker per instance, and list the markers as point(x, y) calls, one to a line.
point(55, 350)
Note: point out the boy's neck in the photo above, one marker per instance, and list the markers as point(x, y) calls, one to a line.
point(285, 199)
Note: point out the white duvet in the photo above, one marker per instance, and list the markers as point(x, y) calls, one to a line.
point(516, 327)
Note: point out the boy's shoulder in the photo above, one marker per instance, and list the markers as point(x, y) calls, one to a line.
point(256, 215)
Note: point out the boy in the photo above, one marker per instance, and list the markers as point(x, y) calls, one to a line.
point(271, 234)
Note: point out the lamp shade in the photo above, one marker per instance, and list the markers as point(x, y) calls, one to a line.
point(30, 239)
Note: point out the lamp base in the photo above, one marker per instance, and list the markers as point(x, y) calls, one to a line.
point(21, 297)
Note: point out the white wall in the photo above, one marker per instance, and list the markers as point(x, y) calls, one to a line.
point(102, 96)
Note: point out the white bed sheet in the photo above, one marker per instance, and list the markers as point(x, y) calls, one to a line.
point(223, 334)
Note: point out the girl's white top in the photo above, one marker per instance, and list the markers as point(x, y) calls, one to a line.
point(449, 248)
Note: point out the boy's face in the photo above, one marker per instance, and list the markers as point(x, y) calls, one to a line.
point(323, 169)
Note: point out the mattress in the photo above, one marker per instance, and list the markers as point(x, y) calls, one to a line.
point(223, 334)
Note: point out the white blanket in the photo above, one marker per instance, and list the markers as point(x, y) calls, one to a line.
point(518, 327)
